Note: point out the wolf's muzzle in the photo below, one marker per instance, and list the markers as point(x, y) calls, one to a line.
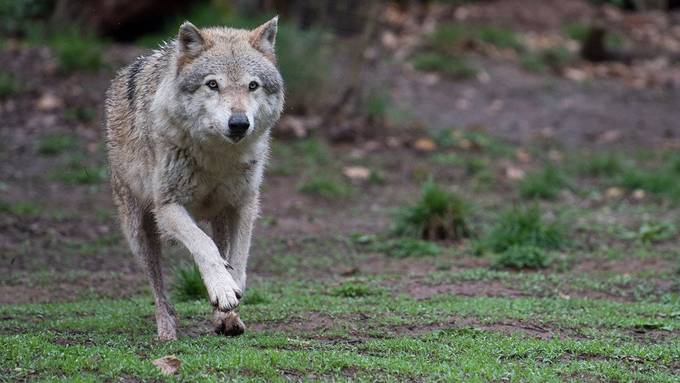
point(238, 126)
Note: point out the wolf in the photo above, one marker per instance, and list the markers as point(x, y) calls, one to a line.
point(188, 132)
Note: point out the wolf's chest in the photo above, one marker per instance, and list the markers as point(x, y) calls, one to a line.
point(213, 191)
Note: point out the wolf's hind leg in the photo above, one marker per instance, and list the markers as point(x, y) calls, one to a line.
point(142, 234)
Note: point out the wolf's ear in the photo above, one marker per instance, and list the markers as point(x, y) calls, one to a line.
point(263, 38)
point(191, 42)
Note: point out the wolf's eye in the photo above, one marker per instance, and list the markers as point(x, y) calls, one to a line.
point(212, 84)
point(253, 85)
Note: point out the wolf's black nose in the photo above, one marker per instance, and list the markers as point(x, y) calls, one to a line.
point(238, 125)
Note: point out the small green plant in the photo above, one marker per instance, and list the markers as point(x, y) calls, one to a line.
point(499, 37)
point(76, 50)
point(325, 186)
point(662, 182)
point(408, 247)
point(650, 232)
point(554, 58)
point(450, 37)
point(450, 66)
point(188, 285)
point(600, 164)
point(579, 32)
point(437, 215)
point(522, 257)
point(78, 174)
point(544, 184)
point(354, 289)
point(255, 296)
point(21, 208)
point(521, 227)
point(54, 144)
point(8, 85)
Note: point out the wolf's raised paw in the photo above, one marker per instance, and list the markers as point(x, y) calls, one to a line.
point(228, 323)
point(223, 291)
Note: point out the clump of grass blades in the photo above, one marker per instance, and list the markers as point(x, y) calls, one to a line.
point(450, 66)
point(325, 186)
point(522, 257)
point(544, 184)
point(354, 290)
point(522, 227)
point(188, 285)
point(600, 165)
point(438, 215)
point(408, 247)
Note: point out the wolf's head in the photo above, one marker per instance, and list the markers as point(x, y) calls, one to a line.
point(227, 86)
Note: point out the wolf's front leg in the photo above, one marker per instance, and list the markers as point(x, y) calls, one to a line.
point(223, 291)
point(240, 224)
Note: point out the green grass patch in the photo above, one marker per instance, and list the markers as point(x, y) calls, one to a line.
point(255, 296)
point(522, 257)
point(78, 174)
point(544, 184)
point(450, 66)
point(438, 215)
point(325, 186)
point(55, 144)
point(555, 59)
point(599, 164)
point(188, 285)
point(21, 208)
point(8, 85)
point(408, 247)
point(662, 182)
point(75, 50)
point(524, 227)
point(450, 37)
point(354, 289)
point(371, 336)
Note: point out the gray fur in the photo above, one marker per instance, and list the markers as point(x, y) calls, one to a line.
point(173, 162)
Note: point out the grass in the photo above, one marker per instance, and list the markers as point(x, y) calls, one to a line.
point(521, 227)
point(542, 61)
point(74, 50)
point(449, 37)
point(599, 164)
point(188, 285)
point(543, 184)
point(8, 85)
point(325, 186)
point(55, 144)
point(662, 181)
point(522, 257)
point(408, 247)
point(79, 174)
point(591, 339)
point(21, 208)
point(450, 66)
point(438, 214)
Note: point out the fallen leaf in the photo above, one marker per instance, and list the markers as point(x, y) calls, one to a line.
point(523, 155)
point(49, 102)
point(639, 194)
point(168, 364)
point(614, 192)
point(425, 145)
point(514, 173)
point(357, 173)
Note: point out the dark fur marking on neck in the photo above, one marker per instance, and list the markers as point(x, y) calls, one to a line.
point(135, 68)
